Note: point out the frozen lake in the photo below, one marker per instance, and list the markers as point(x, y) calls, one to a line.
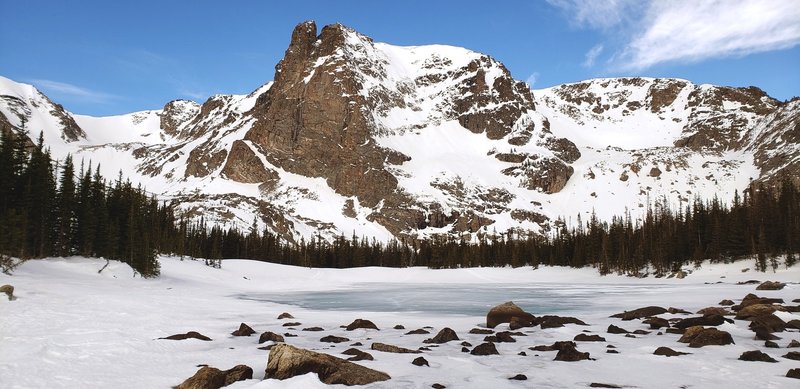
point(464, 299)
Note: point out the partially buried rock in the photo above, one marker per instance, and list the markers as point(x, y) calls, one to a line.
point(668, 352)
point(8, 290)
point(520, 322)
point(440, 386)
point(676, 311)
point(601, 385)
point(399, 327)
point(334, 339)
point(794, 343)
point(361, 323)
point(771, 344)
point(569, 353)
point(707, 320)
point(519, 377)
point(714, 311)
point(500, 337)
point(485, 349)
point(388, 348)
point(292, 324)
point(726, 302)
point(770, 323)
point(285, 315)
point(612, 329)
point(503, 313)
point(480, 331)
point(553, 321)
point(244, 330)
point(313, 329)
point(771, 285)
point(589, 338)
point(656, 322)
point(358, 355)
point(420, 361)
point(444, 336)
point(213, 378)
point(419, 331)
point(755, 310)
point(793, 355)
point(270, 336)
point(706, 337)
point(286, 361)
point(793, 373)
point(188, 335)
point(794, 323)
point(640, 313)
point(756, 356)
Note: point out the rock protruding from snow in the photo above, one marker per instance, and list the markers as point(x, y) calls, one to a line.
point(503, 313)
point(286, 361)
point(212, 378)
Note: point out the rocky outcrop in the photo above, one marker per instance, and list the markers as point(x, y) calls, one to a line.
point(246, 167)
point(212, 378)
point(287, 361)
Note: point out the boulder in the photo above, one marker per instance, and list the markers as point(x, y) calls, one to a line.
point(213, 378)
point(285, 315)
point(500, 337)
point(444, 336)
point(388, 348)
point(503, 313)
point(519, 322)
point(640, 313)
point(794, 323)
point(568, 353)
point(726, 302)
point(763, 333)
point(485, 349)
point(714, 311)
point(771, 285)
point(793, 355)
point(361, 323)
point(656, 322)
point(555, 346)
point(553, 321)
point(668, 352)
point(707, 320)
point(270, 336)
point(793, 373)
point(755, 310)
point(358, 355)
point(8, 290)
point(612, 329)
point(709, 337)
point(770, 323)
point(188, 335)
point(588, 338)
point(756, 356)
point(334, 339)
point(418, 332)
point(244, 330)
point(752, 299)
point(481, 331)
point(771, 344)
point(286, 361)
point(420, 361)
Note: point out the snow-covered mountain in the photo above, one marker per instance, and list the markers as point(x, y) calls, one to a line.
point(355, 136)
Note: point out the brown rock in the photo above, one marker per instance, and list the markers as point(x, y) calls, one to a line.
point(270, 336)
point(640, 313)
point(361, 323)
point(244, 330)
point(656, 322)
point(8, 290)
point(285, 315)
point(481, 331)
point(313, 329)
point(500, 337)
point(676, 311)
point(485, 349)
point(612, 329)
point(245, 166)
point(334, 339)
point(292, 324)
point(399, 327)
point(519, 322)
point(771, 285)
point(668, 352)
point(444, 336)
point(793, 355)
point(794, 323)
point(707, 320)
point(793, 373)
point(418, 332)
point(358, 355)
point(213, 378)
point(726, 302)
point(420, 361)
point(794, 343)
point(756, 356)
point(553, 321)
point(503, 313)
point(710, 337)
point(286, 361)
point(771, 344)
point(388, 348)
point(770, 323)
point(569, 353)
point(188, 335)
point(440, 386)
point(714, 311)
point(755, 310)
point(589, 338)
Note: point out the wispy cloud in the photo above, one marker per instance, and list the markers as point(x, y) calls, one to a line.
point(531, 80)
point(691, 31)
point(597, 13)
point(70, 91)
point(685, 31)
point(592, 55)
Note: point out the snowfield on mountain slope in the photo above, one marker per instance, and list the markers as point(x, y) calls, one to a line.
point(71, 327)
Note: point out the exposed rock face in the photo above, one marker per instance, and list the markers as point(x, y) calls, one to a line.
point(245, 166)
point(212, 378)
point(176, 113)
point(287, 361)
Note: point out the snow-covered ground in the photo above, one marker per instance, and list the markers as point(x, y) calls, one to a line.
point(72, 327)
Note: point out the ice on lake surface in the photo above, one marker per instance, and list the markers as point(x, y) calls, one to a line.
point(462, 299)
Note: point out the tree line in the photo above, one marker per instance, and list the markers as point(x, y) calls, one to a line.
point(47, 208)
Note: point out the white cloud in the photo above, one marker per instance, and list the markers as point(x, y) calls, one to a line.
point(70, 91)
point(691, 31)
point(598, 13)
point(531, 80)
point(592, 55)
point(687, 30)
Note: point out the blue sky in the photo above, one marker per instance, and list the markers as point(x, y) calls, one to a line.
point(112, 57)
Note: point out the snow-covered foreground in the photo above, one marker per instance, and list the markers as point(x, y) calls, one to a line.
point(72, 327)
